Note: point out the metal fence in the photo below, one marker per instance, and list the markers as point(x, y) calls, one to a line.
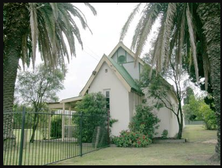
point(31, 138)
point(187, 122)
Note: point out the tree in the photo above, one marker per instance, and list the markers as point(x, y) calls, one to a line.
point(160, 89)
point(93, 108)
point(17, 117)
point(197, 109)
point(183, 25)
point(191, 109)
point(37, 88)
point(208, 116)
point(24, 26)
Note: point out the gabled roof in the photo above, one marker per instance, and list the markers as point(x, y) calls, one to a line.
point(125, 75)
point(120, 44)
point(119, 71)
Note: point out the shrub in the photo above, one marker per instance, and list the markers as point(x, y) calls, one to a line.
point(164, 134)
point(131, 139)
point(94, 114)
point(144, 121)
point(209, 117)
point(56, 126)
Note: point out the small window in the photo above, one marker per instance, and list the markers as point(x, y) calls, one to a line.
point(107, 95)
point(122, 59)
point(106, 70)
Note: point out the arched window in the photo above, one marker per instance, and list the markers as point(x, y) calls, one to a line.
point(122, 59)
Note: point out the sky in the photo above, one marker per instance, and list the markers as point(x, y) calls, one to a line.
point(106, 27)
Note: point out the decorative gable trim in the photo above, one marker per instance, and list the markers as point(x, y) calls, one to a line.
point(120, 44)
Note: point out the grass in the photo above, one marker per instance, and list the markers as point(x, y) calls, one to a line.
point(197, 133)
point(193, 152)
point(41, 152)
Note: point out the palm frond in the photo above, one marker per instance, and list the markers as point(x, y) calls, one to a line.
point(159, 45)
point(168, 24)
point(34, 30)
point(56, 21)
point(190, 58)
point(139, 27)
point(54, 7)
point(152, 14)
point(45, 42)
point(181, 40)
point(62, 44)
point(24, 50)
point(50, 24)
point(128, 22)
point(76, 12)
point(65, 19)
point(156, 53)
point(91, 8)
point(192, 41)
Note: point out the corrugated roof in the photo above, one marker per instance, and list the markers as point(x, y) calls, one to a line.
point(126, 76)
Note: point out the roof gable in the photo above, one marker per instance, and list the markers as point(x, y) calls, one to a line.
point(120, 44)
point(118, 70)
point(126, 76)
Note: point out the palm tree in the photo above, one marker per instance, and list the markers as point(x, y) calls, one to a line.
point(183, 26)
point(24, 26)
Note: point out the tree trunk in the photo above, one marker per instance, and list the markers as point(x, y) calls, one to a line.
point(215, 78)
point(180, 131)
point(35, 124)
point(179, 135)
point(10, 65)
point(210, 17)
point(180, 120)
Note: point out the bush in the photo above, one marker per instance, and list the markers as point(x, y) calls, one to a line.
point(209, 117)
point(144, 121)
point(131, 139)
point(164, 134)
point(94, 114)
point(56, 126)
point(197, 109)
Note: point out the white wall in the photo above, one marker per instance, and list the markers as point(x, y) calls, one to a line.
point(119, 97)
point(168, 120)
point(133, 71)
point(131, 106)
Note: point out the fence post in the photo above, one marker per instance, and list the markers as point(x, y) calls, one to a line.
point(22, 137)
point(80, 128)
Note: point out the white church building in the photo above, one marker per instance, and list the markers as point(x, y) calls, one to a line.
point(115, 76)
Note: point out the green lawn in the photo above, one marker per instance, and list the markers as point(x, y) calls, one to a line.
point(41, 152)
point(194, 152)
